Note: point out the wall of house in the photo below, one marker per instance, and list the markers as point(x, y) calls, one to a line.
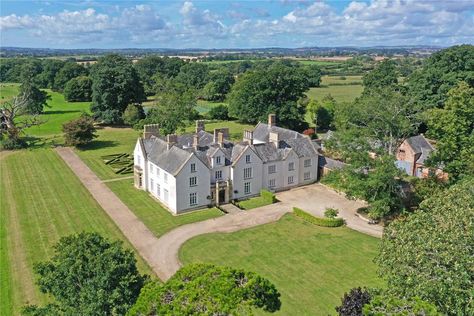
point(140, 160)
point(237, 175)
point(156, 176)
point(313, 169)
point(183, 189)
point(406, 154)
point(219, 167)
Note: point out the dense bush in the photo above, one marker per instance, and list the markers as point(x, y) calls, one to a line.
point(268, 196)
point(133, 114)
point(205, 289)
point(79, 131)
point(78, 89)
point(220, 112)
point(11, 143)
point(324, 222)
point(331, 212)
point(353, 302)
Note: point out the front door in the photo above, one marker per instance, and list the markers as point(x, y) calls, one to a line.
point(222, 196)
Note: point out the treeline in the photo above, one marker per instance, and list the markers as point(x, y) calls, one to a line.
point(437, 100)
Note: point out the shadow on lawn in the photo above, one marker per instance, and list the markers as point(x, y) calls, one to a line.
point(99, 144)
point(61, 112)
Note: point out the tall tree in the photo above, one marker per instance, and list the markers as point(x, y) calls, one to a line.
point(51, 67)
point(34, 99)
point(175, 107)
point(453, 128)
point(115, 84)
point(441, 72)
point(78, 89)
point(69, 71)
point(90, 275)
point(270, 90)
point(429, 253)
point(313, 73)
point(79, 131)
point(205, 289)
point(193, 75)
point(219, 85)
point(384, 75)
point(382, 117)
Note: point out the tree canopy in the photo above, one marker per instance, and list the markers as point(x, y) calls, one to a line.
point(453, 128)
point(193, 75)
point(89, 275)
point(441, 72)
point(69, 71)
point(383, 76)
point(429, 253)
point(79, 131)
point(78, 89)
point(115, 84)
point(275, 89)
point(34, 99)
point(205, 289)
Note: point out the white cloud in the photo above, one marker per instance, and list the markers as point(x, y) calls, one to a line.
point(379, 22)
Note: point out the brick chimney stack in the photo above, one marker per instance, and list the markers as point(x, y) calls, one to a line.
point(248, 136)
point(196, 142)
point(171, 139)
point(151, 130)
point(200, 126)
point(271, 119)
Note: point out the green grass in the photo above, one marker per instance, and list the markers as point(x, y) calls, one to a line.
point(204, 106)
point(311, 266)
point(155, 217)
point(333, 85)
point(109, 141)
point(254, 202)
point(8, 91)
point(41, 200)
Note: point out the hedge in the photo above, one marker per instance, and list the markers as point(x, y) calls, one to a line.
point(325, 222)
point(268, 196)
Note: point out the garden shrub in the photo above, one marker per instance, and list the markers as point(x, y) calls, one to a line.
point(268, 196)
point(319, 221)
point(331, 212)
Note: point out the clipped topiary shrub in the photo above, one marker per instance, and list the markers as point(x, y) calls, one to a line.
point(319, 221)
point(268, 196)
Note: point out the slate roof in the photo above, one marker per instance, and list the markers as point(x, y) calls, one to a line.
point(262, 131)
point(171, 160)
point(421, 146)
point(330, 163)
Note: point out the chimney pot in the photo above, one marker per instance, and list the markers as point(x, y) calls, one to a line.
point(171, 139)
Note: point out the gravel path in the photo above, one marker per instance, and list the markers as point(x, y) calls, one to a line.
point(162, 254)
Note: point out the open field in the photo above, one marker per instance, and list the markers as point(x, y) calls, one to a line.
point(311, 266)
point(8, 91)
point(204, 106)
point(41, 200)
point(155, 217)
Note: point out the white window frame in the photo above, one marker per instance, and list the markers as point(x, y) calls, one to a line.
point(247, 159)
point(307, 163)
point(158, 190)
point(248, 173)
point(247, 188)
point(218, 174)
point(158, 172)
point(218, 160)
point(193, 167)
point(271, 183)
point(271, 169)
point(291, 166)
point(291, 179)
point(193, 181)
point(193, 199)
point(151, 167)
point(307, 175)
point(166, 194)
point(165, 177)
point(151, 184)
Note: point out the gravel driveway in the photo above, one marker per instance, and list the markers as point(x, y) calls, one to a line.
point(315, 198)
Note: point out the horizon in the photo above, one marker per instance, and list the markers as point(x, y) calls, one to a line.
point(187, 25)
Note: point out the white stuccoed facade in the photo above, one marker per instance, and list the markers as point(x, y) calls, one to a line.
point(198, 170)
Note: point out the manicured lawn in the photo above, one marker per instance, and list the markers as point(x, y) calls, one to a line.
point(8, 91)
point(311, 266)
point(109, 141)
point(254, 202)
point(155, 217)
point(41, 200)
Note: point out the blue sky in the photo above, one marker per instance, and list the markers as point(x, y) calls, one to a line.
point(235, 24)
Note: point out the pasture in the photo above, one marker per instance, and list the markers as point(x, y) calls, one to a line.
point(311, 266)
point(41, 200)
point(342, 90)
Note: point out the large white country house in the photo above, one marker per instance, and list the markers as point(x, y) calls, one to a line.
point(196, 170)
